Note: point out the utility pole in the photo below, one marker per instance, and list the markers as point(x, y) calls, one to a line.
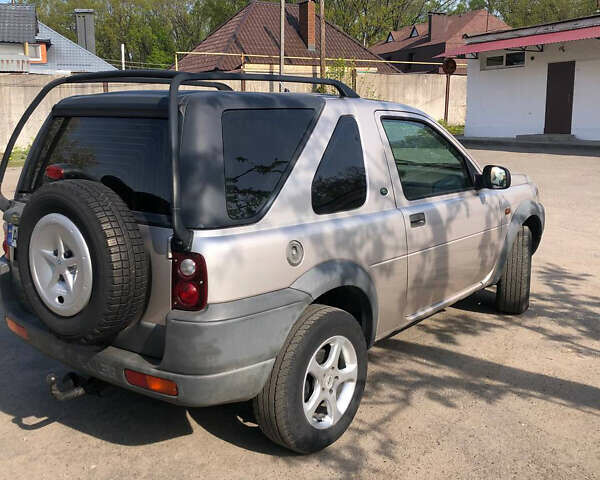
point(322, 14)
point(122, 56)
point(282, 43)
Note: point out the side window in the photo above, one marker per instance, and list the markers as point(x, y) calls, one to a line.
point(258, 149)
point(340, 183)
point(427, 163)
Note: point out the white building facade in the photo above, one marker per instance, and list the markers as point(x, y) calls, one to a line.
point(552, 87)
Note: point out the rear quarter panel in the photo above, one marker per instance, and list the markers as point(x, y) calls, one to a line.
point(247, 261)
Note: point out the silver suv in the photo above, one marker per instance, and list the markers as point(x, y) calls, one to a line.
point(207, 247)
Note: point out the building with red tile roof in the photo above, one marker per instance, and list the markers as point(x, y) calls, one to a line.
point(423, 42)
point(254, 30)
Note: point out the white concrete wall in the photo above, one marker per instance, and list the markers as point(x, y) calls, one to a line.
point(12, 49)
point(426, 92)
point(423, 91)
point(512, 101)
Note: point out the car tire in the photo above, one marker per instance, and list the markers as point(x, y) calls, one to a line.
point(306, 371)
point(512, 291)
point(99, 284)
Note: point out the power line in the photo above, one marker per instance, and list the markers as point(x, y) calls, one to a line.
point(132, 62)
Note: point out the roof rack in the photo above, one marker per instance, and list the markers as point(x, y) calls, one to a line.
point(183, 237)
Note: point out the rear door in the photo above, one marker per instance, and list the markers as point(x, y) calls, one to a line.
point(453, 230)
point(130, 155)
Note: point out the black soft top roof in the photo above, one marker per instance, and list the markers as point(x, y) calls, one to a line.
point(155, 103)
point(201, 162)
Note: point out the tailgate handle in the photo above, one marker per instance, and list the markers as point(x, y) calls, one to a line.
point(417, 220)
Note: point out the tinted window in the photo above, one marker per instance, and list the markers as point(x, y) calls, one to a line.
point(514, 59)
point(129, 155)
point(427, 163)
point(495, 61)
point(340, 182)
point(258, 149)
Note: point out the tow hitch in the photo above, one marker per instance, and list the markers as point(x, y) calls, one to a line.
point(74, 386)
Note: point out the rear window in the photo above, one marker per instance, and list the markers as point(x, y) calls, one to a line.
point(259, 147)
point(128, 155)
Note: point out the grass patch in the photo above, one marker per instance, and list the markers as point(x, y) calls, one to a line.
point(453, 129)
point(18, 156)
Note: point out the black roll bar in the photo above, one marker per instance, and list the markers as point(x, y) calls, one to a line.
point(183, 237)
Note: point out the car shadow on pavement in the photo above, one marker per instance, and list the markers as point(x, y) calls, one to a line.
point(481, 378)
point(400, 371)
point(236, 425)
point(118, 416)
point(565, 315)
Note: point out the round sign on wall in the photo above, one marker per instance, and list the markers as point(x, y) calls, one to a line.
point(449, 66)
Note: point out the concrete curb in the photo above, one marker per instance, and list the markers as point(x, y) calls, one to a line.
point(573, 147)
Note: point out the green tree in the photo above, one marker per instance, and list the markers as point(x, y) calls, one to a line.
point(153, 30)
point(216, 12)
point(520, 13)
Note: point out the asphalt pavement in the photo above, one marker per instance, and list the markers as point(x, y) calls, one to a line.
point(467, 393)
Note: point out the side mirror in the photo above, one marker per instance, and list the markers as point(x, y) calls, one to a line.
point(495, 177)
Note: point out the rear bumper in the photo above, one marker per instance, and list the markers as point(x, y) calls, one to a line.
point(221, 355)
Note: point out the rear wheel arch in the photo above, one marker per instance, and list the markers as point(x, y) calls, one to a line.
point(354, 301)
point(344, 285)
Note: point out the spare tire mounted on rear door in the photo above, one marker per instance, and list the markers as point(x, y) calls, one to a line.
point(82, 260)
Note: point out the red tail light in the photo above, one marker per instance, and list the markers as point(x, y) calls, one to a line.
point(54, 172)
point(5, 243)
point(190, 282)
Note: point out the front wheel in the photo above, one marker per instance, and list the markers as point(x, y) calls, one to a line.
point(512, 293)
point(317, 381)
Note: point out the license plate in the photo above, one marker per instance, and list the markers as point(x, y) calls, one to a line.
point(12, 233)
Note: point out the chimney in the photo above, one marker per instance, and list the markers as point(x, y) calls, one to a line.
point(438, 23)
point(86, 30)
point(307, 23)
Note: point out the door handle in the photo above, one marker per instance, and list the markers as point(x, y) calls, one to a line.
point(417, 220)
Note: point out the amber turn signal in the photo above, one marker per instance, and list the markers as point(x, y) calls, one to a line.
point(156, 384)
point(17, 329)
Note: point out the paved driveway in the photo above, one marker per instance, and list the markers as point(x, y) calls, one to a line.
point(467, 393)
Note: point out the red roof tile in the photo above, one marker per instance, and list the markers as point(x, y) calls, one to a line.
point(447, 29)
point(255, 30)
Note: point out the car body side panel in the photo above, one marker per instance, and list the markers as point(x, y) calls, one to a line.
point(455, 249)
point(460, 240)
point(156, 240)
point(372, 236)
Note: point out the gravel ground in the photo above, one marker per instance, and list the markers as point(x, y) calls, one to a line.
point(467, 393)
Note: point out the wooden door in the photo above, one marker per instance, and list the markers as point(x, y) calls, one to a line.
point(559, 97)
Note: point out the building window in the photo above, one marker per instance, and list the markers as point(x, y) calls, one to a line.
point(495, 61)
point(390, 38)
point(37, 53)
point(515, 59)
point(509, 60)
point(414, 33)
